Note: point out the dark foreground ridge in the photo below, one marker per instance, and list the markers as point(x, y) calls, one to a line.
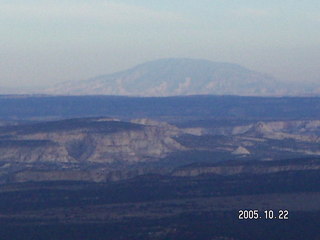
point(163, 207)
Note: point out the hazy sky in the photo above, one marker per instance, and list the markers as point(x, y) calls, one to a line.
point(43, 42)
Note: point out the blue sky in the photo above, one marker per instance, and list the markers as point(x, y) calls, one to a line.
point(46, 42)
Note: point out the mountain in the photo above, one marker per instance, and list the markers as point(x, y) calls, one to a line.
point(180, 76)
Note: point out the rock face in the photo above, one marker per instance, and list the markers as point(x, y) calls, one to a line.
point(87, 141)
point(237, 168)
point(104, 149)
point(305, 130)
point(169, 77)
point(92, 149)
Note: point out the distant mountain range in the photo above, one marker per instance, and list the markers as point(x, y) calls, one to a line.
point(181, 76)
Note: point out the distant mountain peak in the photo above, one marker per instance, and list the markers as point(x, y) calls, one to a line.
point(178, 76)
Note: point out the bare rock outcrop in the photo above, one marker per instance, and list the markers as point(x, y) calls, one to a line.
point(247, 168)
point(88, 140)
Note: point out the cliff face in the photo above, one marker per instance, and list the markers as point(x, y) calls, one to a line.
point(86, 142)
point(304, 130)
point(248, 168)
point(94, 149)
point(33, 151)
point(102, 174)
point(102, 149)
